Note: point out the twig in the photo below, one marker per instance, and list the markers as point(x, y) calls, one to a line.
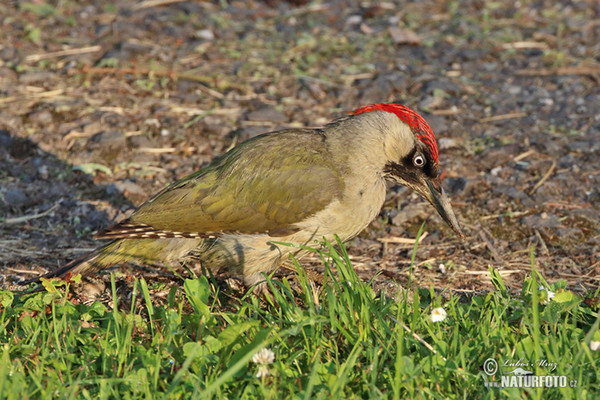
point(258, 123)
point(448, 111)
point(403, 240)
point(26, 218)
point(398, 240)
point(506, 214)
point(562, 206)
point(503, 117)
point(311, 8)
point(62, 53)
point(577, 70)
point(497, 257)
point(25, 252)
point(544, 247)
point(23, 271)
point(115, 110)
point(582, 277)
point(525, 45)
point(486, 274)
point(154, 3)
point(424, 262)
point(157, 150)
point(522, 264)
point(199, 111)
point(206, 90)
point(523, 155)
point(419, 338)
point(76, 250)
point(544, 178)
point(49, 93)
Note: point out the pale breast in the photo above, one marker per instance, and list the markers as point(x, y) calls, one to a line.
point(348, 216)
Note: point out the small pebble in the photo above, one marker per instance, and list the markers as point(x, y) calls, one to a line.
point(496, 171)
point(43, 172)
point(354, 20)
point(205, 34)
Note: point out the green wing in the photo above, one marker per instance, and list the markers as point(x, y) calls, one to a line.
point(267, 184)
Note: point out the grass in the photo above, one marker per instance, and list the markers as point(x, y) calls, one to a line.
point(340, 341)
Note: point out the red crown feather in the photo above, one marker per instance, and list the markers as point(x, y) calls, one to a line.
point(417, 124)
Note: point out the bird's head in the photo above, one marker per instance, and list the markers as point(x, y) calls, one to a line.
point(411, 154)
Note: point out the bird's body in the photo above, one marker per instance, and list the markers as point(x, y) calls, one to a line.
point(292, 186)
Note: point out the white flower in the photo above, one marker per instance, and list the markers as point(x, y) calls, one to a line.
point(438, 314)
point(595, 345)
point(265, 356)
point(549, 295)
point(263, 371)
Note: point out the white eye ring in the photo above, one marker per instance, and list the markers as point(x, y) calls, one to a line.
point(418, 161)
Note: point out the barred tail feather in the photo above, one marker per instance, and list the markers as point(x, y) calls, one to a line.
point(119, 251)
point(84, 265)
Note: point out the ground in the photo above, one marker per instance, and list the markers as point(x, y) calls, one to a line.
point(102, 104)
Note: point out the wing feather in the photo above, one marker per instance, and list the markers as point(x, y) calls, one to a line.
point(267, 184)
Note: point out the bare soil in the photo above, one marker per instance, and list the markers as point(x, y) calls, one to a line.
point(102, 104)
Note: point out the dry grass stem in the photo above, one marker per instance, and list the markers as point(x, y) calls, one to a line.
point(62, 53)
point(25, 218)
point(576, 70)
point(544, 178)
point(502, 117)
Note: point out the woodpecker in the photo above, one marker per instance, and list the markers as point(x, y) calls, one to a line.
point(290, 186)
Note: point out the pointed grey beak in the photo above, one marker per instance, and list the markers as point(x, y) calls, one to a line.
point(442, 204)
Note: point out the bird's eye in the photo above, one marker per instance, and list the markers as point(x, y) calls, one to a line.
point(419, 161)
